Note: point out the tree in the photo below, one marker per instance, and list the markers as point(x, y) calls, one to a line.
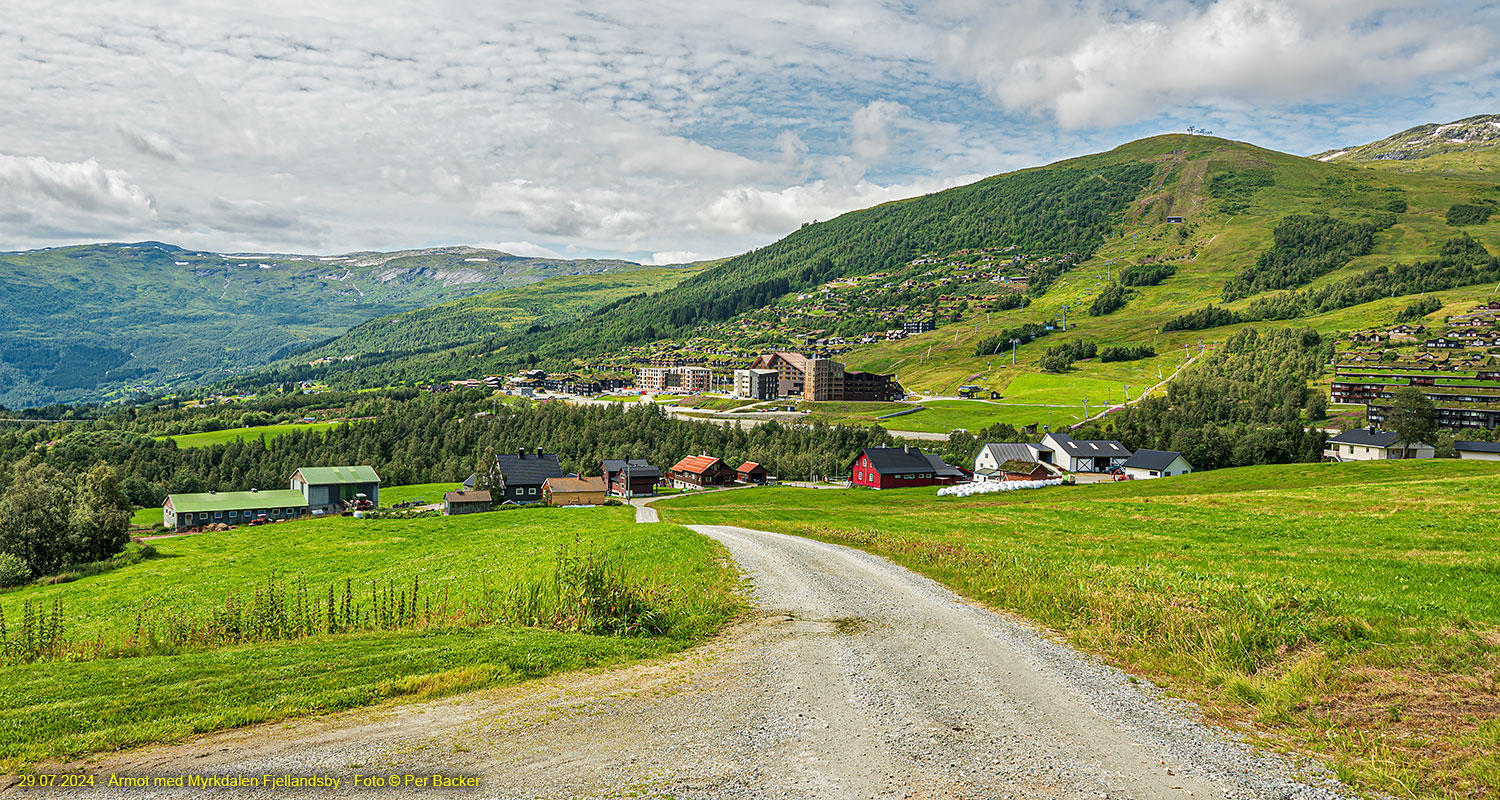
point(1317, 407)
point(1413, 418)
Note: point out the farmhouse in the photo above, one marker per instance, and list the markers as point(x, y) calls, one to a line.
point(696, 472)
point(330, 490)
point(899, 467)
point(1146, 464)
point(518, 478)
point(1478, 451)
point(1369, 444)
point(751, 472)
point(466, 501)
point(1075, 455)
point(1020, 470)
point(589, 491)
point(633, 477)
point(183, 511)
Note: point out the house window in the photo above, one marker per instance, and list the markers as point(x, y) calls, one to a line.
point(1154, 475)
point(532, 490)
point(218, 515)
point(275, 512)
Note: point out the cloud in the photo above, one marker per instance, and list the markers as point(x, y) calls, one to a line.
point(151, 143)
point(1091, 65)
point(526, 249)
point(76, 186)
point(870, 137)
point(665, 257)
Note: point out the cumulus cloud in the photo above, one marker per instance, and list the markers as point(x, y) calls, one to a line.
point(76, 186)
point(608, 127)
point(1091, 64)
point(664, 257)
point(527, 249)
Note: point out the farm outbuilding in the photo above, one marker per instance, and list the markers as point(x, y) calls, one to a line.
point(183, 511)
point(1145, 464)
point(584, 491)
point(329, 490)
point(466, 502)
point(696, 472)
point(751, 472)
point(633, 477)
point(899, 467)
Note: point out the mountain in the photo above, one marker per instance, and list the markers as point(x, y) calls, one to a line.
point(97, 321)
point(1264, 238)
point(1467, 146)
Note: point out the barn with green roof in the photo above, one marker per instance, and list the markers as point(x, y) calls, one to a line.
point(183, 511)
point(329, 490)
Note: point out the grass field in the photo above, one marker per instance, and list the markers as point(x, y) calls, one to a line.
point(1350, 610)
point(430, 492)
point(210, 438)
point(147, 517)
point(61, 709)
point(944, 416)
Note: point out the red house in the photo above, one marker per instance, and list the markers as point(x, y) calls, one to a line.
point(899, 467)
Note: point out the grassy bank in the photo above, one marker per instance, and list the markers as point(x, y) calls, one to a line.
point(498, 603)
point(210, 438)
point(1352, 610)
point(429, 492)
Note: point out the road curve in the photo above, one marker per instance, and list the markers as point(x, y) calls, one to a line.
point(855, 678)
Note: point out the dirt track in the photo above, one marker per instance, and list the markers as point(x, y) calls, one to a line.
point(854, 679)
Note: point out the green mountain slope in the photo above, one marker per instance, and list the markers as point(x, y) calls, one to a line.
point(451, 339)
point(94, 321)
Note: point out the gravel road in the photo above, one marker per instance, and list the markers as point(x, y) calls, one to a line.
point(855, 678)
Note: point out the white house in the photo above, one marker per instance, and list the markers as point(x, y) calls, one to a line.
point(1368, 444)
point(1147, 464)
point(992, 455)
point(1478, 451)
point(1073, 455)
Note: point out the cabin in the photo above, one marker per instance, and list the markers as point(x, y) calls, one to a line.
point(752, 473)
point(466, 501)
point(1079, 455)
point(580, 491)
point(518, 478)
point(900, 467)
point(1478, 451)
point(1369, 444)
point(634, 477)
point(332, 490)
point(183, 511)
point(1145, 464)
point(697, 472)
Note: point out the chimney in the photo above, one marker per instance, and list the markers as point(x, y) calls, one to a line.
point(539, 452)
point(521, 453)
point(908, 449)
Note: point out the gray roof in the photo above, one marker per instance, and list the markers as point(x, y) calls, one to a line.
point(1088, 448)
point(1365, 437)
point(527, 469)
point(1478, 447)
point(1014, 451)
point(639, 467)
point(1158, 460)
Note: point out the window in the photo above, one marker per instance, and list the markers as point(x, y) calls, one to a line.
point(218, 515)
point(1154, 475)
point(275, 512)
point(532, 490)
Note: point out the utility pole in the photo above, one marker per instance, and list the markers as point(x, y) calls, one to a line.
point(1013, 343)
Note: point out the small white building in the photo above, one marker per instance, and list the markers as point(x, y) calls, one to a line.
point(1147, 464)
point(992, 455)
point(1478, 451)
point(1368, 444)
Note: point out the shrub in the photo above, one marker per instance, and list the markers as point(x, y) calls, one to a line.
point(13, 570)
point(1147, 274)
point(1465, 214)
point(1418, 309)
point(1397, 206)
point(1210, 316)
point(1127, 353)
point(1112, 299)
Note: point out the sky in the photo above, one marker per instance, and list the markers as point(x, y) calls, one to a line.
point(660, 131)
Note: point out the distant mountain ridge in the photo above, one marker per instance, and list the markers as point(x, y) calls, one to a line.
point(91, 322)
point(1425, 141)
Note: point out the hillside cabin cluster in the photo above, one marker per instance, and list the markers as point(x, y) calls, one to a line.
point(314, 491)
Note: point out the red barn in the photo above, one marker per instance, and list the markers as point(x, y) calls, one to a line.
point(899, 467)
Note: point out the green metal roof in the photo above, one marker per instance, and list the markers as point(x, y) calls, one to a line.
point(324, 475)
point(236, 501)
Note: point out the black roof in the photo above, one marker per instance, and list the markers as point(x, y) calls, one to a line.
point(1158, 460)
point(1014, 451)
point(1365, 437)
point(943, 469)
point(1478, 447)
point(896, 459)
point(527, 469)
point(1091, 447)
point(639, 467)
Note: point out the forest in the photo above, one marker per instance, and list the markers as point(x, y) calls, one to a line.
point(1305, 246)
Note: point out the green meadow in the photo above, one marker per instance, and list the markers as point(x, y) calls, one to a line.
point(1348, 610)
point(495, 605)
point(429, 492)
point(210, 438)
